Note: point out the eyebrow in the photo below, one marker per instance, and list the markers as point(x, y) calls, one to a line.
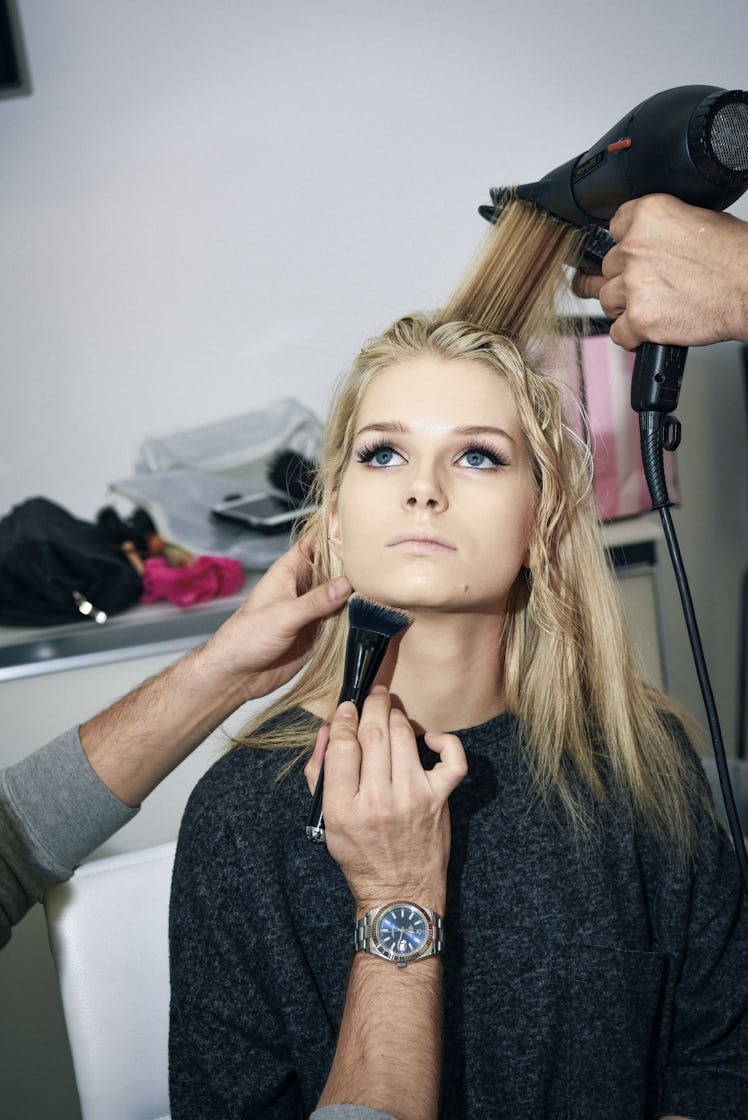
point(397, 426)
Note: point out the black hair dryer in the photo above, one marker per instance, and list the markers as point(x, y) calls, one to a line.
point(690, 142)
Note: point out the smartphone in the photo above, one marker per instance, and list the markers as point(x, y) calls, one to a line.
point(268, 512)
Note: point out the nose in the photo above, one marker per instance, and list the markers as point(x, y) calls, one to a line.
point(423, 490)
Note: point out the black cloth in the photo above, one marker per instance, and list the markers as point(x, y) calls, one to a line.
point(582, 980)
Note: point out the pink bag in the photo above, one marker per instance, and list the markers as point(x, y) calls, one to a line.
point(599, 373)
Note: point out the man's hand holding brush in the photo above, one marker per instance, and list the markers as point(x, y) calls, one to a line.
point(387, 825)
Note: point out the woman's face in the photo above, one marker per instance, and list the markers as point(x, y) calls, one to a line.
point(435, 508)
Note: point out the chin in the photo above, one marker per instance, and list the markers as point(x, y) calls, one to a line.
point(408, 586)
point(407, 596)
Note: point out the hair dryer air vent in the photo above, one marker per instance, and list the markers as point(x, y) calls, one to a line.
point(718, 137)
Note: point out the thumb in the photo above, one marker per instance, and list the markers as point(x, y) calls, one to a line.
point(322, 601)
point(452, 765)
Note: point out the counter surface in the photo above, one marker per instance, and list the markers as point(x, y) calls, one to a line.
point(157, 628)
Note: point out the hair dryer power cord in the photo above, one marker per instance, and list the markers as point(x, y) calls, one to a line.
point(659, 432)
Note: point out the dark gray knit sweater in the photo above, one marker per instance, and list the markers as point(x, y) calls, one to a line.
point(594, 984)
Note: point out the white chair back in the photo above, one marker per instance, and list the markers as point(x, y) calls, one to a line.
point(108, 930)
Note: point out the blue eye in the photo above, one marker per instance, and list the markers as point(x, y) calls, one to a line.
point(481, 458)
point(381, 456)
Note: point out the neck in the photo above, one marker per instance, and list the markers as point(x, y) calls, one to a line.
point(445, 671)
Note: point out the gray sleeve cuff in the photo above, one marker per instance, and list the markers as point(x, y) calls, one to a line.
point(62, 805)
point(349, 1112)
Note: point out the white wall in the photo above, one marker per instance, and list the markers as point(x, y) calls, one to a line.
point(205, 206)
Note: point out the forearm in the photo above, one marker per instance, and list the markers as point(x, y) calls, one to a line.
point(378, 1061)
point(140, 739)
point(388, 828)
point(53, 812)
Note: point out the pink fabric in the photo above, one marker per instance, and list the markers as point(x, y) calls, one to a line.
point(618, 477)
point(209, 577)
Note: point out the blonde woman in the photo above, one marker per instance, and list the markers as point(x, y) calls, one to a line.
point(596, 959)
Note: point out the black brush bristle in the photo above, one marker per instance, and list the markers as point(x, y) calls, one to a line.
point(500, 199)
point(596, 242)
point(293, 474)
point(366, 614)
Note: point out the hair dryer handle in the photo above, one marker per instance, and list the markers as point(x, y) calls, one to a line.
point(658, 375)
point(655, 386)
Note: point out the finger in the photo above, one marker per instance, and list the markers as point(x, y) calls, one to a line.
point(405, 760)
point(374, 736)
point(613, 263)
point(342, 759)
point(586, 286)
point(613, 297)
point(452, 765)
point(624, 335)
point(314, 765)
point(621, 221)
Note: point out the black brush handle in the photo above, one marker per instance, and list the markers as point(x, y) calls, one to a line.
point(363, 655)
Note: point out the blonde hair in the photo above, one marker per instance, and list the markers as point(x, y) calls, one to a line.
point(570, 676)
point(518, 278)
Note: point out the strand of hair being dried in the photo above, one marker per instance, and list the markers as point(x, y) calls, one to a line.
point(514, 282)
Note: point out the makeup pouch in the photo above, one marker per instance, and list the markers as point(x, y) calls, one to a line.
point(56, 568)
point(599, 374)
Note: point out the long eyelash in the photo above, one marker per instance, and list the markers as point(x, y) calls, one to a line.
point(496, 457)
point(366, 453)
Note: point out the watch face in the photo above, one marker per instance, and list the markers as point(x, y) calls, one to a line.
point(401, 931)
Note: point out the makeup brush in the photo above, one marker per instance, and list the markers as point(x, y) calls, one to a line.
point(371, 626)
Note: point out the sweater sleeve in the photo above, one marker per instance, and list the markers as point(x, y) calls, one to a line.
point(707, 1069)
point(54, 810)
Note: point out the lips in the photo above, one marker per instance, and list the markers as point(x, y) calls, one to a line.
point(421, 543)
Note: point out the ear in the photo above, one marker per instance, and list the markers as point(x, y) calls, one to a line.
point(334, 539)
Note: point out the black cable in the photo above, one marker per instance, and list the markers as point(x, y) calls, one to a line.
point(740, 751)
point(706, 692)
point(653, 428)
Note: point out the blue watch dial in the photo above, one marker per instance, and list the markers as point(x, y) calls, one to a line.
point(402, 930)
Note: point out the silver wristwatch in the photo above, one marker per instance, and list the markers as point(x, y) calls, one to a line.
point(401, 932)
